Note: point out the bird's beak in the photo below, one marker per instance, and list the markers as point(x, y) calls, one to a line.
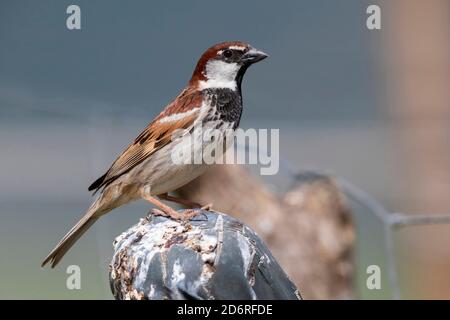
point(253, 55)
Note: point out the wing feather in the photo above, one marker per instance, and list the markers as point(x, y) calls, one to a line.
point(155, 136)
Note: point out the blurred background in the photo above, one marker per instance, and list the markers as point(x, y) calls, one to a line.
point(371, 106)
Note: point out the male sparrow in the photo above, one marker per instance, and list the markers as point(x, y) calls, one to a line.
point(145, 169)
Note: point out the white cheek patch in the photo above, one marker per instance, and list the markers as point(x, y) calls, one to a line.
point(220, 70)
point(220, 74)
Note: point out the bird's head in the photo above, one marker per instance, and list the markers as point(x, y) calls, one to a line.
point(224, 65)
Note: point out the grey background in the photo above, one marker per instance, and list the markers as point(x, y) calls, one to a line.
point(70, 101)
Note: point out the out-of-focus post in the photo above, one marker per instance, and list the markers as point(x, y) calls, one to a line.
point(417, 64)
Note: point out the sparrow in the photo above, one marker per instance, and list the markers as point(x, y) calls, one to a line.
point(145, 170)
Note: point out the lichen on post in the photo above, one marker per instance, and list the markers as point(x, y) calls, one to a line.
point(212, 256)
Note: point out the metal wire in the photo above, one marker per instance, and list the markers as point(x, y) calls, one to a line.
point(391, 220)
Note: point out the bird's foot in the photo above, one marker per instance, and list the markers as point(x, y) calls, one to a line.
point(175, 215)
point(207, 207)
point(182, 215)
point(156, 212)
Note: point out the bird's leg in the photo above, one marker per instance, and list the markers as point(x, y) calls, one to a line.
point(168, 211)
point(188, 203)
point(165, 209)
point(195, 207)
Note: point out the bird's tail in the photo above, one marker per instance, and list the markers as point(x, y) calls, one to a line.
point(73, 235)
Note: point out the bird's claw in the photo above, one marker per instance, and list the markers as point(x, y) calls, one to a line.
point(184, 215)
point(157, 212)
point(207, 207)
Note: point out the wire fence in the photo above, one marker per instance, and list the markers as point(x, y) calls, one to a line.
point(391, 221)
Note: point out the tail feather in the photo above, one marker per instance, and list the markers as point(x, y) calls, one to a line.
point(72, 236)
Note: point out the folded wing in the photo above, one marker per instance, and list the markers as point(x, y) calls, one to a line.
point(182, 113)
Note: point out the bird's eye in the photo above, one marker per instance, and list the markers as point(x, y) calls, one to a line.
point(227, 53)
